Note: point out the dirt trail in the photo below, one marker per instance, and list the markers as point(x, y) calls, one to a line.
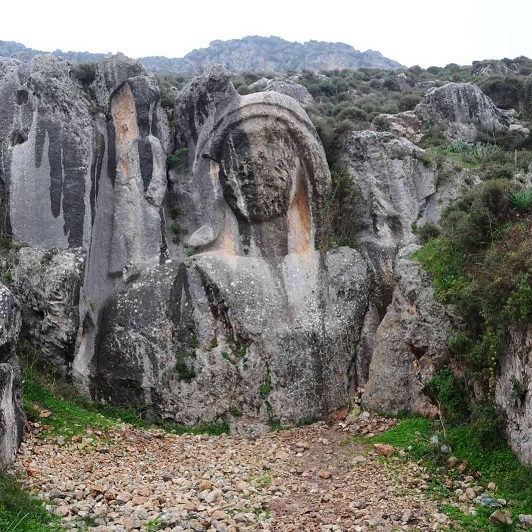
point(307, 478)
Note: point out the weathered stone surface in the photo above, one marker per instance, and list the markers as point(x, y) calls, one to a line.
point(46, 133)
point(411, 343)
point(47, 285)
point(83, 167)
point(12, 416)
point(399, 189)
point(513, 390)
point(398, 83)
point(407, 125)
point(465, 108)
point(258, 320)
point(284, 86)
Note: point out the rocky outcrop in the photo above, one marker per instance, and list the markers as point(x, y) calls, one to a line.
point(513, 390)
point(400, 189)
point(464, 108)
point(83, 167)
point(411, 344)
point(48, 284)
point(12, 417)
point(258, 322)
point(284, 86)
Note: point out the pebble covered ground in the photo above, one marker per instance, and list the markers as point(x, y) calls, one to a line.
point(307, 478)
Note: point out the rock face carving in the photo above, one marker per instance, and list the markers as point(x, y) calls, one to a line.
point(263, 323)
point(12, 416)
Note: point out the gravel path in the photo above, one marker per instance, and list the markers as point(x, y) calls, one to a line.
point(307, 478)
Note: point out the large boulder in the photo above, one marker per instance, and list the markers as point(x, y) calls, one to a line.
point(46, 156)
point(513, 390)
point(464, 109)
point(260, 324)
point(411, 344)
point(284, 86)
point(12, 416)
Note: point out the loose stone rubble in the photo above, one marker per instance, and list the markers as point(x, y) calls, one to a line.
point(316, 478)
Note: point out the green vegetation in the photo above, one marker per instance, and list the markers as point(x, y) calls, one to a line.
point(522, 199)
point(183, 366)
point(21, 511)
point(85, 72)
point(169, 86)
point(68, 414)
point(481, 264)
point(6, 277)
point(423, 440)
point(178, 158)
point(342, 213)
point(178, 232)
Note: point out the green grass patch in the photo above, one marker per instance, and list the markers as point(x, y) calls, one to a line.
point(496, 463)
point(68, 416)
point(19, 510)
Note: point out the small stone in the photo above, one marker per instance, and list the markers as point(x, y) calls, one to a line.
point(205, 485)
point(407, 515)
point(361, 504)
point(492, 486)
point(526, 520)
point(219, 515)
point(452, 461)
point(470, 493)
point(359, 459)
point(212, 496)
point(383, 449)
point(463, 466)
point(325, 474)
point(62, 511)
point(501, 517)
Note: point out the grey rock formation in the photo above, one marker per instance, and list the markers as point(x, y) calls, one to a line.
point(12, 416)
point(411, 344)
point(492, 67)
point(284, 86)
point(399, 189)
point(258, 321)
point(464, 108)
point(47, 285)
point(513, 390)
point(80, 167)
point(406, 124)
point(45, 155)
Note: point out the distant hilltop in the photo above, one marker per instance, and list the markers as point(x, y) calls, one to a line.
point(254, 54)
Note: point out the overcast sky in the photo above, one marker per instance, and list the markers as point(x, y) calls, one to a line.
point(413, 32)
